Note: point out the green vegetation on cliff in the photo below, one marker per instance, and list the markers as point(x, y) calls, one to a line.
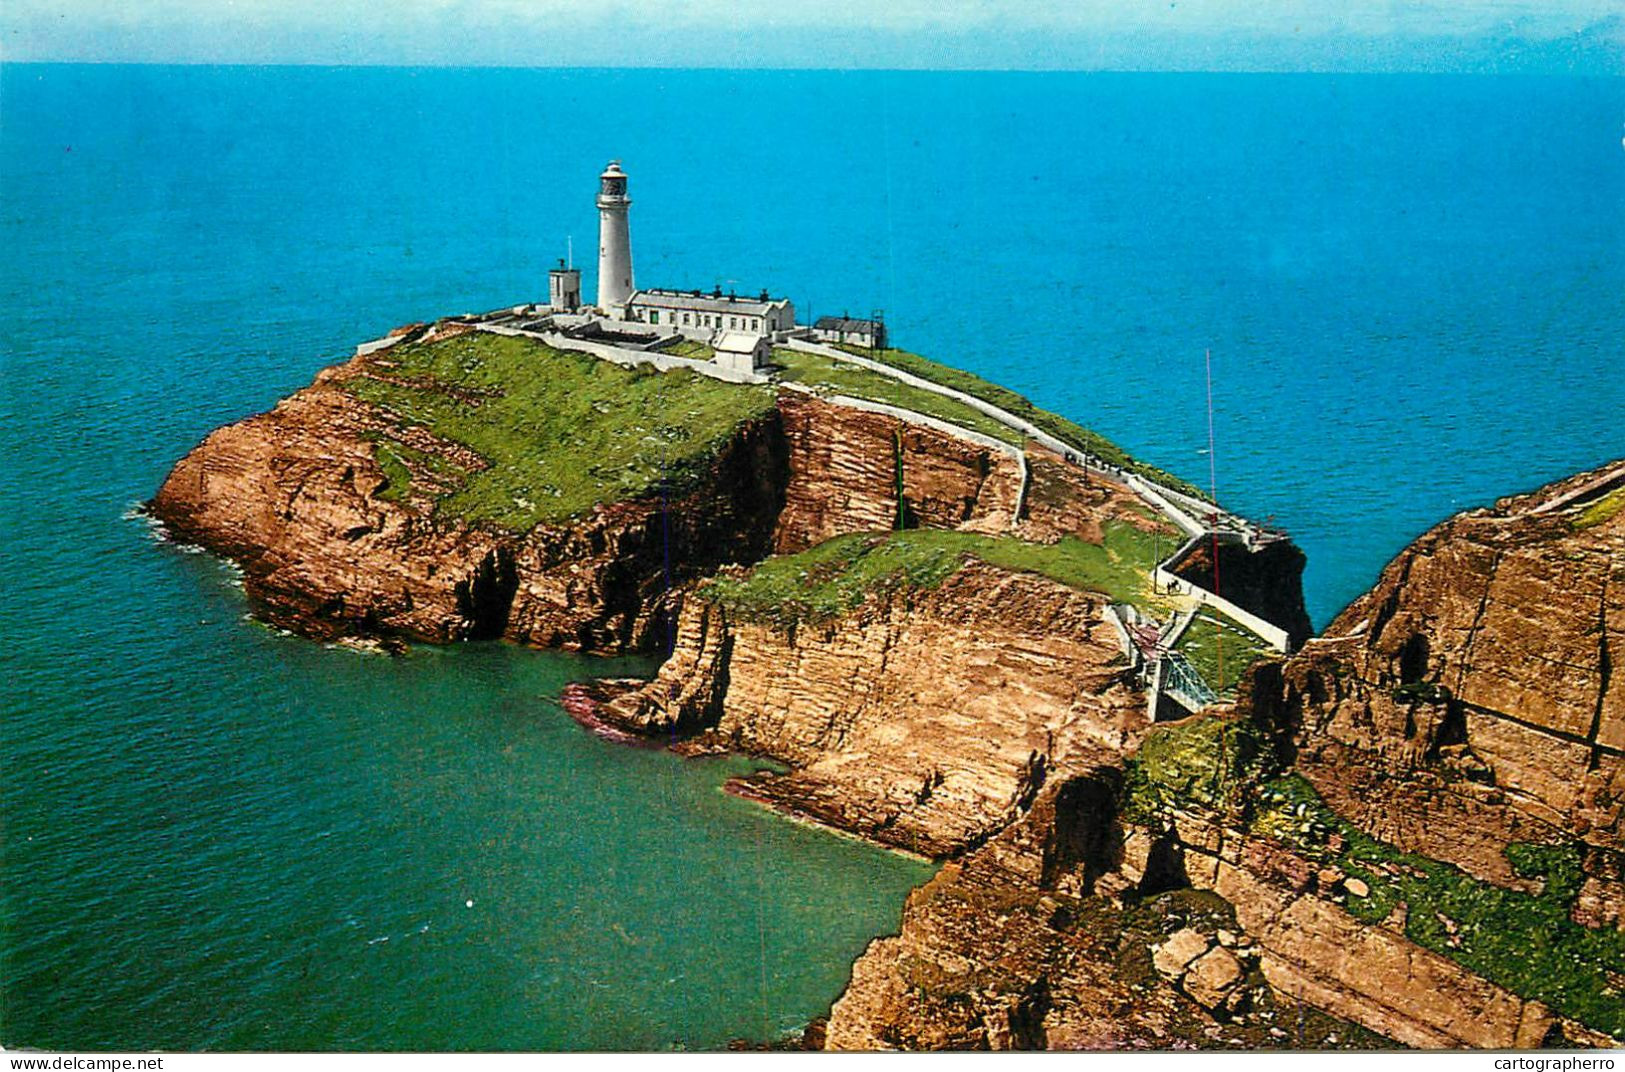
point(560, 432)
point(1526, 942)
point(1523, 941)
point(1066, 431)
point(837, 575)
point(828, 376)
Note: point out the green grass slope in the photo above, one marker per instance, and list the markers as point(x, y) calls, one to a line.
point(837, 575)
point(560, 431)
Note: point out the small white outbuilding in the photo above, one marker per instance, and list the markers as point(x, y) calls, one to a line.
point(742, 351)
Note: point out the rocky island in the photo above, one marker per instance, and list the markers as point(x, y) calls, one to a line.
point(975, 631)
point(1159, 828)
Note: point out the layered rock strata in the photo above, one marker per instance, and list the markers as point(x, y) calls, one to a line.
point(297, 498)
point(1470, 701)
point(1432, 717)
point(925, 720)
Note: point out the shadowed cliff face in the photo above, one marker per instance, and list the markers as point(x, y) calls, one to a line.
point(332, 544)
point(1470, 700)
point(853, 471)
point(1264, 582)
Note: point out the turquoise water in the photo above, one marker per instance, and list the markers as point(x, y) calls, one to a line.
point(218, 836)
point(221, 837)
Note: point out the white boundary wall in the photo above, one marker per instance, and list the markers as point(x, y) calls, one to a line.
point(1271, 634)
point(629, 358)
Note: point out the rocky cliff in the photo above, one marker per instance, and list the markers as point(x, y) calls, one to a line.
point(330, 546)
point(926, 720)
point(1409, 831)
point(1411, 826)
point(1469, 702)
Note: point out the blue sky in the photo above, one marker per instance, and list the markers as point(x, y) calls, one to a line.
point(1578, 36)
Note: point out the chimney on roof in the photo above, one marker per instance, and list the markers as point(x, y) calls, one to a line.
point(764, 295)
point(717, 293)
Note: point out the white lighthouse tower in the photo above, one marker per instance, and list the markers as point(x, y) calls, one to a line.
point(614, 241)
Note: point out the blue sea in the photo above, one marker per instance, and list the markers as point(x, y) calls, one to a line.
point(217, 836)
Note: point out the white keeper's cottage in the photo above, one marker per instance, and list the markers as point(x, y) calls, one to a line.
point(696, 312)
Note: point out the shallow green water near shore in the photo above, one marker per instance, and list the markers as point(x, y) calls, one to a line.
point(221, 837)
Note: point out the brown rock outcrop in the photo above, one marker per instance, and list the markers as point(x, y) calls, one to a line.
point(293, 496)
point(1470, 700)
point(856, 471)
point(1312, 949)
point(885, 713)
point(1426, 718)
point(1468, 703)
point(296, 497)
point(1252, 580)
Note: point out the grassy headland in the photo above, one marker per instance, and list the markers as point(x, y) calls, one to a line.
point(837, 575)
point(560, 431)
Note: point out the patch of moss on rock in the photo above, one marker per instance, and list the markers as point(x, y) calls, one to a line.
point(1523, 941)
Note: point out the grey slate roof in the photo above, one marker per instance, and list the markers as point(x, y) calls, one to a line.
point(847, 324)
point(704, 303)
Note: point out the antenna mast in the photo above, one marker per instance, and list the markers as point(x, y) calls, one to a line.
point(1213, 490)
